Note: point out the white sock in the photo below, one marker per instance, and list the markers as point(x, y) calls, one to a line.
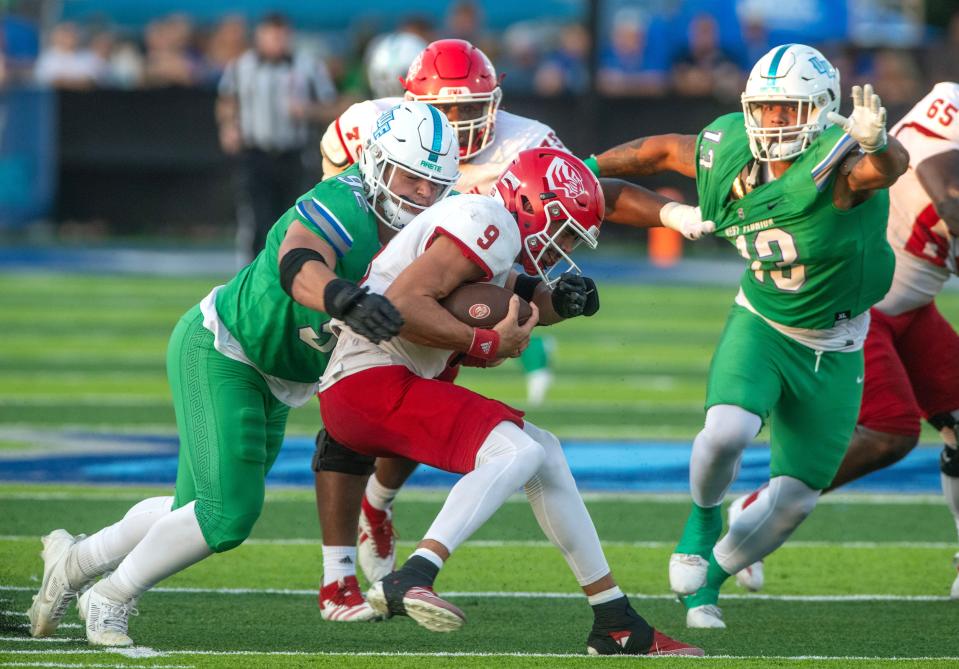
point(950, 488)
point(537, 384)
point(429, 555)
point(505, 461)
point(338, 562)
point(764, 525)
point(561, 513)
point(101, 552)
point(717, 451)
point(172, 544)
point(378, 495)
point(605, 596)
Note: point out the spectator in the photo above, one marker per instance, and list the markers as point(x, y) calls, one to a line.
point(520, 58)
point(267, 98)
point(464, 20)
point(624, 68)
point(169, 58)
point(755, 38)
point(64, 64)
point(565, 69)
point(226, 44)
point(121, 62)
point(704, 68)
point(19, 48)
point(897, 77)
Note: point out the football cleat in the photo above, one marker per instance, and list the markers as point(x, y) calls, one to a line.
point(708, 616)
point(398, 595)
point(106, 619)
point(51, 602)
point(376, 550)
point(752, 577)
point(619, 630)
point(342, 601)
point(955, 584)
point(687, 572)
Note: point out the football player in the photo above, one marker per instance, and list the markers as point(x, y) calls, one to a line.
point(385, 399)
point(458, 78)
point(912, 353)
point(239, 360)
point(802, 193)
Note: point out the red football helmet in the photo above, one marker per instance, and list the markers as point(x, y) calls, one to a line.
point(558, 203)
point(459, 80)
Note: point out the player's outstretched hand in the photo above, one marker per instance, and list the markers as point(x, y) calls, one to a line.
point(513, 337)
point(368, 314)
point(867, 123)
point(686, 220)
point(575, 295)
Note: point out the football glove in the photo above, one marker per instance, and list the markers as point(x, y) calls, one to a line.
point(368, 314)
point(575, 295)
point(867, 123)
point(686, 220)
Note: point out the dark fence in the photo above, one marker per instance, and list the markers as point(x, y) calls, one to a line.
point(149, 161)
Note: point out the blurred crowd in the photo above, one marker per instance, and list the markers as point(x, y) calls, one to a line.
point(539, 57)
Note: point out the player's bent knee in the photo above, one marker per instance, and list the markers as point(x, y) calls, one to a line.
point(794, 500)
point(891, 448)
point(232, 532)
point(332, 456)
point(730, 427)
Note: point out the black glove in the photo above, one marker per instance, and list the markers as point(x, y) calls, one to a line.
point(368, 314)
point(575, 295)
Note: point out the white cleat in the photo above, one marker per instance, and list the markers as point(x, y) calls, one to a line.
point(708, 616)
point(51, 602)
point(687, 573)
point(376, 547)
point(422, 604)
point(955, 584)
point(751, 578)
point(106, 620)
point(342, 601)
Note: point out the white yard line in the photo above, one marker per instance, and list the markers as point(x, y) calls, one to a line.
point(103, 666)
point(928, 545)
point(539, 595)
point(295, 653)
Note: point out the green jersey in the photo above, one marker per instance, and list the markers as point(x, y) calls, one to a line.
point(810, 265)
point(281, 337)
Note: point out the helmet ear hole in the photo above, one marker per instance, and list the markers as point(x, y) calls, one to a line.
point(526, 204)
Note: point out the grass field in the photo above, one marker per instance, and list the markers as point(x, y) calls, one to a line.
point(862, 583)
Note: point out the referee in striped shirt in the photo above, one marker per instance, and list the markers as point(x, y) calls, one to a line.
point(268, 98)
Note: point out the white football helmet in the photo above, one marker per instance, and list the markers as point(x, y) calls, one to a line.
point(388, 58)
point(795, 74)
point(415, 137)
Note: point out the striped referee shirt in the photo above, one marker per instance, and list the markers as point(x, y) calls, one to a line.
point(265, 91)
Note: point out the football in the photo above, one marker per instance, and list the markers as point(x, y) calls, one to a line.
point(483, 305)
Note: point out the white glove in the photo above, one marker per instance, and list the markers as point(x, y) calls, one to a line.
point(686, 220)
point(867, 123)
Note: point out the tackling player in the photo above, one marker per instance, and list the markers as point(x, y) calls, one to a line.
point(385, 399)
point(458, 78)
point(239, 360)
point(912, 353)
point(786, 183)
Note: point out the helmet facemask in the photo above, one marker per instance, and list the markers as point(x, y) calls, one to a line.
point(787, 142)
point(547, 252)
point(380, 171)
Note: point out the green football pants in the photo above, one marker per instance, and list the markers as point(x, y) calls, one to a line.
point(231, 429)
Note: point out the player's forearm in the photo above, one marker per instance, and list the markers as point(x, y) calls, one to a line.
point(428, 324)
point(227, 111)
point(628, 204)
point(880, 169)
point(649, 155)
point(310, 283)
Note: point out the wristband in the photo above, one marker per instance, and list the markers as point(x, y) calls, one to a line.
point(291, 264)
point(593, 164)
point(485, 344)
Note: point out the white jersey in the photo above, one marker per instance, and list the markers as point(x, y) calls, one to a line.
point(926, 254)
point(485, 232)
point(344, 139)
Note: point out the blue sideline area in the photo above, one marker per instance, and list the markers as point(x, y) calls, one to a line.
point(610, 466)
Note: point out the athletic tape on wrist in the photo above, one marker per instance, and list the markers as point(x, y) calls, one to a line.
point(485, 344)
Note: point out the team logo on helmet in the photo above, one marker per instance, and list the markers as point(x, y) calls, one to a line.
point(560, 175)
point(479, 311)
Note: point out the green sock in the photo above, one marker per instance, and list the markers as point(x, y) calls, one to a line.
point(703, 527)
point(709, 593)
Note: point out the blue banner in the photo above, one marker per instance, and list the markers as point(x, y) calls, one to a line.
point(28, 155)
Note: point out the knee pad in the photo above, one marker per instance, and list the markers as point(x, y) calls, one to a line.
point(730, 427)
point(791, 499)
point(508, 440)
point(221, 531)
point(332, 456)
